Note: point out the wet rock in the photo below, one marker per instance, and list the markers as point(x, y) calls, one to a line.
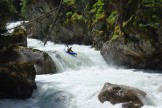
point(129, 96)
point(137, 44)
point(17, 38)
point(17, 80)
point(44, 64)
point(132, 54)
point(42, 61)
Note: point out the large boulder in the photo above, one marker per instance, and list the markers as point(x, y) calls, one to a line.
point(17, 80)
point(18, 68)
point(142, 55)
point(43, 62)
point(129, 96)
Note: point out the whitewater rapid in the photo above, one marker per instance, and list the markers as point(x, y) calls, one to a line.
point(80, 79)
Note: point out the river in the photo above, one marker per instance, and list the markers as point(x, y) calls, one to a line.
point(80, 78)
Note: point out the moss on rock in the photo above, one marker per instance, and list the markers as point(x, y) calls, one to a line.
point(17, 80)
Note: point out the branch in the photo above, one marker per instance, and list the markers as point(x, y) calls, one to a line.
point(23, 24)
point(53, 23)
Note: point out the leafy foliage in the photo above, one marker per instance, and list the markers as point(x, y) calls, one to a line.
point(98, 6)
point(6, 12)
point(25, 3)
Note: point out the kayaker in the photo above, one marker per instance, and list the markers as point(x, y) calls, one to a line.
point(69, 49)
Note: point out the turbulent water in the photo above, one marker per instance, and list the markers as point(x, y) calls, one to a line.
point(80, 79)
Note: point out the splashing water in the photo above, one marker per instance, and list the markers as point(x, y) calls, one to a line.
point(80, 79)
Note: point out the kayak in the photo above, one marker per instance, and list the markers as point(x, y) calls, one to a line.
point(71, 53)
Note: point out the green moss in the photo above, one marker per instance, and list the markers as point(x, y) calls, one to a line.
point(153, 25)
point(77, 17)
point(98, 6)
point(25, 5)
point(100, 18)
point(73, 17)
point(69, 14)
point(151, 4)
point(70, 2)
point(117, 33)
point(99, 33)
point(92, 11)
point(112, 18)
point(19, 32)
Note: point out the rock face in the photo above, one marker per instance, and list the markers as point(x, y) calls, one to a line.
point(129, 96)
point(132, 55)
point(18, 37)
point(79, 21)
point(17, 81)
point(18, 67)
point(70, 26)
point(17, 78)
point(127, 33)
point(42, 61)
point(138, 43)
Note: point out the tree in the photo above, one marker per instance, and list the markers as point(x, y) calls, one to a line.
point(6, 12)
point(121, 19)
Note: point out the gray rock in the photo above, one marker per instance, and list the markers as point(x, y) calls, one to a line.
point(129, 96)
point(42, 61)
point(62, 32)
point(132, 55)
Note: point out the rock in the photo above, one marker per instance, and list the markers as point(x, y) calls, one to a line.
point(18, 37)
point(130, 104)
point(137, 44)
point(42, 61)
point(132, 55)
point(21, 36)
point(17, 80)
point(129, 96)
point(71, 26)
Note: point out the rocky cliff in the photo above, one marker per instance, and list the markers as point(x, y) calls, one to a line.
point(138, 43)
point(78, 21)
point(19, 66)
point(128, 32)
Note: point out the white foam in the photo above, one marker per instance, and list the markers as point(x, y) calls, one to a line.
point(78, 85)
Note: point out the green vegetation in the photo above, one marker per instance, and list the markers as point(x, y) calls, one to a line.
point(24, 7)
point(151, 4)
point(140, 18)
point(77, 17)
point(6, 12)
point(25, 3)
point(70, 2)
point(98, 7)
point(19, 32)
point(112, 18)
